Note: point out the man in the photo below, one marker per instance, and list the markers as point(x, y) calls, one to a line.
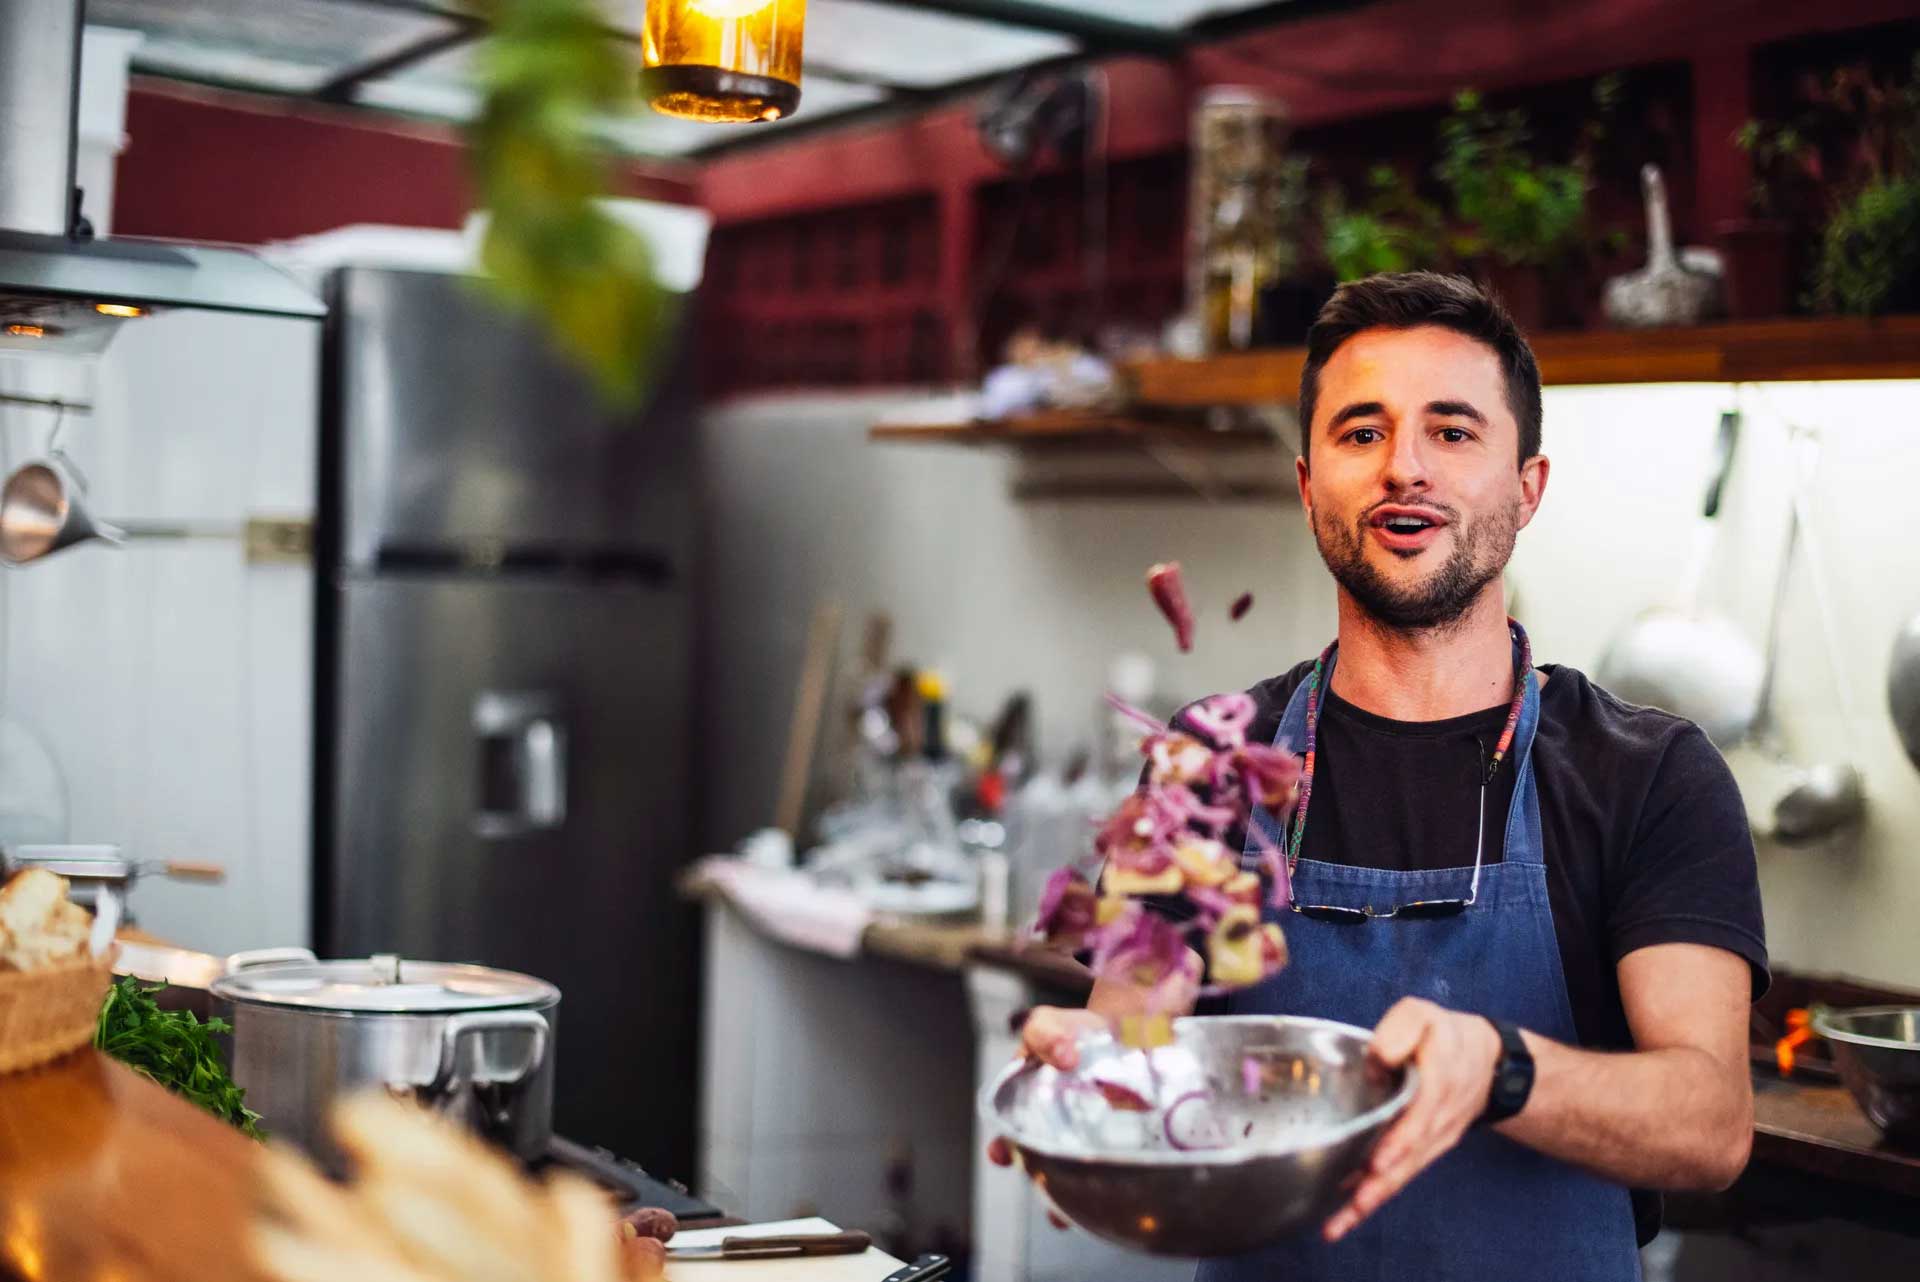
point(1541, 897)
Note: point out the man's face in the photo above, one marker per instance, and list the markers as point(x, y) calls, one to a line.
point(1415, 493)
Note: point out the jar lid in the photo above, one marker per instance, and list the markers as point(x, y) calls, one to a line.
point(385, 985)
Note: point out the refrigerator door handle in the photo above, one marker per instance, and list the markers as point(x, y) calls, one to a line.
point(544, 753)
point(522, 751)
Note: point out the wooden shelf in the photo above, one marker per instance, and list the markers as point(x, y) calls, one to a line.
point(1060, 429)
point(1758, 351)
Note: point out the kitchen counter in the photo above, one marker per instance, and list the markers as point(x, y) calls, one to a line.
point(1818, 1130)
point(104, 1174)
point(1810, 1128)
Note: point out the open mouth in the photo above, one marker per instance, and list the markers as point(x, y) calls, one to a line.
point(1406, 529)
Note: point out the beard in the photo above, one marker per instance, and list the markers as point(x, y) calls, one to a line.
point(1481, 551)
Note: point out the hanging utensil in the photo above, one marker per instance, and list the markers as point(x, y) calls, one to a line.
point(43, 509)
point(1827, 797)
point(1681, 657)
point(43, 505)
point(1903, 688)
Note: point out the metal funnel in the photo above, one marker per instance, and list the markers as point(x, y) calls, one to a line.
point(43, 509)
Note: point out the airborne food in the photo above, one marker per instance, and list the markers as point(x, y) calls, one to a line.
point(1180, 836)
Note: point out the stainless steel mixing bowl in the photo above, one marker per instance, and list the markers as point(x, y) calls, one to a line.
point(1877, 1050)
point(1208, 1167)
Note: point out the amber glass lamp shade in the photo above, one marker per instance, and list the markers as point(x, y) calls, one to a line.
point(723, 60)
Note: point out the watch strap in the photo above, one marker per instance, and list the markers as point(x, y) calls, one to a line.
point(1512, 1075)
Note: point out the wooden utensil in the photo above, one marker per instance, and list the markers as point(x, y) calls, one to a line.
point(767, 1248)
point(822, 638)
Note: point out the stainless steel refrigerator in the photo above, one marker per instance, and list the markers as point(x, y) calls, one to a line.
point(503, 684)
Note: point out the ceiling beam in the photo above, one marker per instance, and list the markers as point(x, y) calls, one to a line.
point(1272, 14)
point(1097, 34)
point(340, 88)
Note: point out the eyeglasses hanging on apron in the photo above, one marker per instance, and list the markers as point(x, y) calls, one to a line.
point(1522, 672)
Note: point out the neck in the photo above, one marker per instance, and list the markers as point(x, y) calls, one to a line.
point(1431, 674)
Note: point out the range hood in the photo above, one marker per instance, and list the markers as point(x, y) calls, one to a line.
point(60, 288)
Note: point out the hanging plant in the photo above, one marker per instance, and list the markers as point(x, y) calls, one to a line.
point(549, 70)
point(1522, 210)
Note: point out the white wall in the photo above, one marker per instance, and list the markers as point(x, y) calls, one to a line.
point(1005, 594)
point(171, 679)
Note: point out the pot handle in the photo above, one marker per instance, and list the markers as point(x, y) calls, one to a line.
point(476, 1023)
point(237, 962)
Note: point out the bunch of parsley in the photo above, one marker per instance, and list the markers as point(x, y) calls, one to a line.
point(174, 1049)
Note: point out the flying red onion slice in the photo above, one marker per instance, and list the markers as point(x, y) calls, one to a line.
point(1170, 595)
point(1190, 1128)
point(1241, 605)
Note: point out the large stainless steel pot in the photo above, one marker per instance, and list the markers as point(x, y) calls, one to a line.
point(471, 1042)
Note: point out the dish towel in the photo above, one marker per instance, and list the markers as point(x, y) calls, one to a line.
point(790, 906)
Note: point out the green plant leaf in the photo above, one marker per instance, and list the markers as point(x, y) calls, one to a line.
point(547, 69)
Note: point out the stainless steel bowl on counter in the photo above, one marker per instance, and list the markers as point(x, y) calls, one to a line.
point(470, 1041)
point(1252, 1126)
point(1877, 1050)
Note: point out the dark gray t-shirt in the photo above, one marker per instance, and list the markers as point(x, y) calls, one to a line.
point(1646, 836)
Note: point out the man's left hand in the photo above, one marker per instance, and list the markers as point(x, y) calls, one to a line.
point(1455, 1054)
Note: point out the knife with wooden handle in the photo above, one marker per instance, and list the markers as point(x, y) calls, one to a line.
point(791, 1246)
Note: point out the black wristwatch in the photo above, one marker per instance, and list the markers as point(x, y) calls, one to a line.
point(1512, 1075)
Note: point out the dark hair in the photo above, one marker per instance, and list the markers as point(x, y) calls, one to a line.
point(1404, 300)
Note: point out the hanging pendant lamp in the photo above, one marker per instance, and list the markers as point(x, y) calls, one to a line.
point(723, 60)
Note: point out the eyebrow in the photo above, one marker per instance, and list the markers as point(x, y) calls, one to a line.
point(1455, 409)
point(1359, 409)
point(1435, 409)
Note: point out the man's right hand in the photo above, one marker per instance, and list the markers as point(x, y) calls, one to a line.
point(1051, 1035)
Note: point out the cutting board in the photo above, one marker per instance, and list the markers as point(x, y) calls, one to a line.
point(874, 1265)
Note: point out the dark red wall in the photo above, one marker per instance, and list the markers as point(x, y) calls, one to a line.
point(231, 167)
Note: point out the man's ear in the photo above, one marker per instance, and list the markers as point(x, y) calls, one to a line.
point(1301, 476)
point(1533, 486)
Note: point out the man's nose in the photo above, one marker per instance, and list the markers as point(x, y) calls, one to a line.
point(1406, 462)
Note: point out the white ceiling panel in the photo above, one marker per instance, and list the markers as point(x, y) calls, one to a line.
point(442, 87)
point(1169, 15)
point(285, 46)
point(916, 48)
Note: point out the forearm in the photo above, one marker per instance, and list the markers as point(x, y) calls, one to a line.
point(1675, 1118)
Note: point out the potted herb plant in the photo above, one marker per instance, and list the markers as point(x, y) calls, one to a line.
point(1393, 229)
point(1520, 219)
point(1869, 254)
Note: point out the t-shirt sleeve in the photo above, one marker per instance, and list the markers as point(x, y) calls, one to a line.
point(1690, 877)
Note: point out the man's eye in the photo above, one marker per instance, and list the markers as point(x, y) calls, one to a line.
point(1364, 435)
point(1455, 435)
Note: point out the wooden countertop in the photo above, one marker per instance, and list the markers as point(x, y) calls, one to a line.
point(104, 1175)
point(1819, 1130)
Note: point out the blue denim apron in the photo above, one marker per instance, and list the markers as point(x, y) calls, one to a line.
point(1490, 1210)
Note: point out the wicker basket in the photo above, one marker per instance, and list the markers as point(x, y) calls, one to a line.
point(46, 1013)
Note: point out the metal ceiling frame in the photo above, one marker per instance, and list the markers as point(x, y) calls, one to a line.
point(1038, 16)
point(1095, 35)
point(1092, 32)
point(340, 89)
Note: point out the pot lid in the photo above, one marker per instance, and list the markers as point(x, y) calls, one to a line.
point(385, 985)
